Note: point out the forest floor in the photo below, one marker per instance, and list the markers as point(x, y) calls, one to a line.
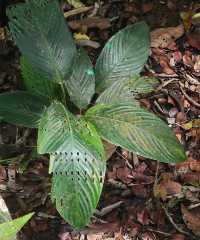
point(142, 199)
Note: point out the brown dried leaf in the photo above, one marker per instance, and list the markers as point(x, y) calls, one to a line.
point(147, 7)
point(167, 188)
point(124, 174)
point(163, 37)
point(93, 22)
point(143, 217)
point(178, 237)
point(97, 236)
point(194, 40)
point(191, 164)
point(191, 219)
point(191, 178)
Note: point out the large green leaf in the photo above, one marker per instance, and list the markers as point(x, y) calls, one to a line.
point(40, 31)
point(123, 56)
point(76, 160)
point(127, 90)
point(8, 230)
point(81, 84)
point(137, 130)
point(37, 83)
point(22, 108)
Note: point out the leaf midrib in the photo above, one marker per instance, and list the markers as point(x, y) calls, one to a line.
point(46, 43)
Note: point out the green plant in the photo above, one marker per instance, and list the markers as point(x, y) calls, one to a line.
point(8, 227)
point(57, 74)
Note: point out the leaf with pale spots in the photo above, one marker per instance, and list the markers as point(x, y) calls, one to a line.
point(77, 162)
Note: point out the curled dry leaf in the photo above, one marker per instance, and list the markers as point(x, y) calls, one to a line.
point(192, 219)
point(164, 37)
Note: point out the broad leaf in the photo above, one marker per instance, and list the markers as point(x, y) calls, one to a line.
point(22, 108)
point(37, 83)
point(81, 84)
point(76, 160)
point(8, 230)
point(127, 90)
point(137, 130)
point(123, 56)
point(40, 31)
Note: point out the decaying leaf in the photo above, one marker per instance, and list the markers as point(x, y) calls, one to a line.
point(75, 3)
point(163, 37)
point(187, 19)
point(167, 188)
point(94, 22)
point(192, 219)
point(189, 165)
point(194, 39)
point(195, 123)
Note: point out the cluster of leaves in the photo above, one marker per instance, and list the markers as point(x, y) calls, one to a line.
point(57, 74)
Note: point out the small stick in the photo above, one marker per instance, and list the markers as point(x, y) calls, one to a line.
point(88, 43)
point(77, 11)
point(189, 98)
point(174, 224)
point(108, 209)
point(160, 232)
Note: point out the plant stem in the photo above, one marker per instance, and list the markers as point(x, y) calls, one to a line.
point(64, 100)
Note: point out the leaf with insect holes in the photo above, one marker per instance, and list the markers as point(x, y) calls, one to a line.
point(81, 83)
point(123, 56)
point(8, 230)
point(77, 161)
point(37, 83)
point(137, 130)
point(40, 31)
point(22, 108)
point(127, 90)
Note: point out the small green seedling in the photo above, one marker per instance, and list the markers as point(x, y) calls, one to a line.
point(58, 75)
